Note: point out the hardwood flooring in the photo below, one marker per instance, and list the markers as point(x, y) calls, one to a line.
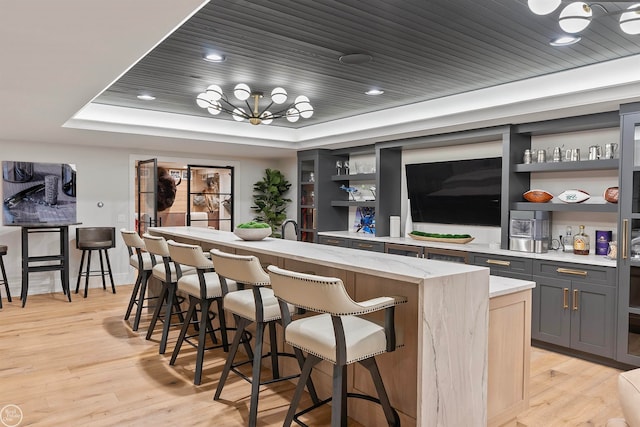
point(79, 364)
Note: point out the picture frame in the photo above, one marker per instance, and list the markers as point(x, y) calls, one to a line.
point(175, 173)
point(185, 174)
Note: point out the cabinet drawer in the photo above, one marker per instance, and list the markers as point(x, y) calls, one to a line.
point(583, 272)
point(503, 264)
point(406, 250)
point(367, 246)
point(333, 241)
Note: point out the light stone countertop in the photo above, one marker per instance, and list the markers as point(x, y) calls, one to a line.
point(482, 248)
point(396, 267)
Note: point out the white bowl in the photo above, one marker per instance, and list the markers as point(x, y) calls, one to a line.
point(252, 233)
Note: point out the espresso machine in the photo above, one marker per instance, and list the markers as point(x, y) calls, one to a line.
point(529, 231)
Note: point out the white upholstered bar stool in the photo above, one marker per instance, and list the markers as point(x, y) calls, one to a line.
point(141, 261)
point(203, 288)
point(338, 335)
point(258, 305)
point(168, 272)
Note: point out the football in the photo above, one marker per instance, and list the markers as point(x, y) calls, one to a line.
point(611, 194)
point(573, 196)
point(537, 196)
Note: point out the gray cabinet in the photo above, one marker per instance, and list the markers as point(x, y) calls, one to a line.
point(574, 306)
point(505, 266)
point(405, 250)
point(333, 241)
point(628, 343)
point(366, 245)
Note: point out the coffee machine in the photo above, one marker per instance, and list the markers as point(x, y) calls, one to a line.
point(529, 231)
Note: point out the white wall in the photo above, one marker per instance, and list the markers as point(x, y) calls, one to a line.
point(107, 176)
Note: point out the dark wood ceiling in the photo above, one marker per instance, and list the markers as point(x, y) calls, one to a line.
point(421, 50)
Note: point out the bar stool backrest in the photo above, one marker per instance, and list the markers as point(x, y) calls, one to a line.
point(316, 293)
point(187, 254)
point(156, 245)
point(95, 237)
point(132, 240)
point(241, 268)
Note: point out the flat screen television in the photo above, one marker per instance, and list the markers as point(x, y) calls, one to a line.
point(456, 192)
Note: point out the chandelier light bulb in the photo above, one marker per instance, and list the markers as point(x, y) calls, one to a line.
point(214, 92)
point(543, 7)
point(630, 21)
point(575, 17)
point(279, 95)
point(241, 91)
point(203, 100)
point(215, 108)
point(266, 117)
point(239, 114)
point(293, 115)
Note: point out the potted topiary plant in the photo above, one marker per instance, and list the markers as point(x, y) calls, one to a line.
point(269, 201)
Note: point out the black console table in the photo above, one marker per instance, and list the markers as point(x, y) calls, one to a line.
point(33, 263)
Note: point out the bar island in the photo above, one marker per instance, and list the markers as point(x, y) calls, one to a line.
point(466, 335)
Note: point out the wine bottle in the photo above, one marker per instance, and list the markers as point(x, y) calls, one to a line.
point(581, 242)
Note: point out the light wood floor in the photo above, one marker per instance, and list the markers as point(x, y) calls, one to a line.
point(79, 363)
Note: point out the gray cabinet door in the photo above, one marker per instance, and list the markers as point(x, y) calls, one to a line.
point(593, 318)
point(551, 317)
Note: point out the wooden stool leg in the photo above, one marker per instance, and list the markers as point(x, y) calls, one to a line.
point(106, 255)
point(6, 283)
point(86, 279)
point(102, 273)
point(80, 270)
point(141, 299)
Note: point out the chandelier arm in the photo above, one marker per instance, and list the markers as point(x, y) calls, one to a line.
point(283, 113)
point(232, 110)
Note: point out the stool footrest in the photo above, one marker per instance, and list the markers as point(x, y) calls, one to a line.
point(264, 382)
point(329, 399)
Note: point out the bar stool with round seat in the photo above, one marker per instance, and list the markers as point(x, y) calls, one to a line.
point(203, 288)
point(337, 335)
point(3, 252)
point(255, 305)
point(168, 273)
point(89, 239)
point(142, 262)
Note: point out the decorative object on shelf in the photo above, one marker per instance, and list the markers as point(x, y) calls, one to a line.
point(215, 101)
point(576, 17)
point(365, 220)
point(351, 190)
point(394, 226)
point(527, 159)
point(612, 250)
point(567, 240)
point(436, 237)
point(541, 156)
point(270, 204)
point(573, 196)
point(610, 150)
point(595, 152)
point(338, 167)
point(408, 224)
point(557, 154)
point(581, 242)
point(603, 237)
point(573, 155)
point(253, 230)
point(373, 191)
point(537, 196)
point(611, 194)
point(345, 165)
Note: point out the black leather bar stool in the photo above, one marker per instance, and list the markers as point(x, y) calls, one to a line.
point(89, 239)
point(3, 252)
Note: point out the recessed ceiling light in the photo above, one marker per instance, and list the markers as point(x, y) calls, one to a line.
point(374, 92)
point(355, 58)
point(146, 97)
point(215, 57)
point(565, 40)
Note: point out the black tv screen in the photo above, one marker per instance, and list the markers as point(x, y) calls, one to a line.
point(456, 192)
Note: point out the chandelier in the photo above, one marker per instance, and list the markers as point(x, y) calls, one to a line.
point(576, 16)
point(215, 101)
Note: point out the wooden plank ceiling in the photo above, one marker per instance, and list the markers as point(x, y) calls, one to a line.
point(420, 50)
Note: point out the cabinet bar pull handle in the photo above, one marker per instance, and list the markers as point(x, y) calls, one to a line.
point(572, 271)
point(363, 245)
point(333, 241)
point(625, 238)
point(575, 300)
point(565, 298)
point(499, 262)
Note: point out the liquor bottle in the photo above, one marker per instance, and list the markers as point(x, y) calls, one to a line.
point(567, 240)
point(581, 242)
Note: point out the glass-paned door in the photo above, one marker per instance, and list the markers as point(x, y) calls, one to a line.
point(147, 184)
point(210, 190)
point(628, 346)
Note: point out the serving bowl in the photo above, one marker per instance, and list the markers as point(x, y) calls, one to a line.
point(252, 233)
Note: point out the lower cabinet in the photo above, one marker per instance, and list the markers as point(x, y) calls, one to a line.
point(574, 306)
